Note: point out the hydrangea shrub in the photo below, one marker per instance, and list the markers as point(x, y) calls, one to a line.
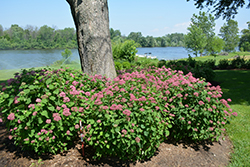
point(127, 117)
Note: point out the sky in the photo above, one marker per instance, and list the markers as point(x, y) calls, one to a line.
point(150, 17)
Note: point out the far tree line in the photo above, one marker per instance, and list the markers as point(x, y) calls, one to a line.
point(199, 39)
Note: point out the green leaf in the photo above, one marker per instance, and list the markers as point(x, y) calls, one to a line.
point(51, 87)
point(48, 81)
point(32, 87)
point(51, 108)
point(52, 98)
point(40, 121)
point(26, 91)
point(45, 113)
point(146, 133)
point(142, 126)
point(56, 91)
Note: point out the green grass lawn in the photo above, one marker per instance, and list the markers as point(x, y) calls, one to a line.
point(235, 85)
point(218, 58)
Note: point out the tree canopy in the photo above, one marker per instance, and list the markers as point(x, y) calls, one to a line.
point(226, 8)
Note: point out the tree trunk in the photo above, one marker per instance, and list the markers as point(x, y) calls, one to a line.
point(91, 19)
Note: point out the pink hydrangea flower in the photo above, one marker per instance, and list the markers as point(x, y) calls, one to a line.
point(62, 94)
point(53, 137)
point(126, 112)
point(141, 109)
point(89, 139)
point(137, 139)
point(1, 120)
point(66, 112)
point(38, 100)
point(10, 137)
point(88, 126)
point(87, 94)
point(132, 130)
point(189, 122)
point(68, 132)
point(124, 131)
point(11, 116)
point(33, 141)
point(98, 121)
point(39, 133)
point(201, 102)
point(57, 118)
point(66, 99)
point(77, 126)
point(48, 121)
point(235, 113)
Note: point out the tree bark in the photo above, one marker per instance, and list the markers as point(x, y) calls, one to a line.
point(91, 19)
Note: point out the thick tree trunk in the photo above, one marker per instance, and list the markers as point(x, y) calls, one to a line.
point(91, 19)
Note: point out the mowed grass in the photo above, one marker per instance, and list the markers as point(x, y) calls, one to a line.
point(236, 85)
point(218, 58)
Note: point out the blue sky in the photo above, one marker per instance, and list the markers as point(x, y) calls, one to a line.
point(151, 17)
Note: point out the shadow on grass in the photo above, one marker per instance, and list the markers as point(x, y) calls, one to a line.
point(235, 85)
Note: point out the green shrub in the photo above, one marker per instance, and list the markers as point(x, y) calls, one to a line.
point(247, 64)
point(125, 51)
point(135, 111)
point(238, 62)
point(118, 65)
point(203, 72)
point(126, 65)
point(210, 63)
point(191, 61)
point(223, 64)
point(161, 63)
point(39, 115)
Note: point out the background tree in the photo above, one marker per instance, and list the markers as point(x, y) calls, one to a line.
point(93, 36)
point(195, 40)
point(229, 33)
point(66, 56)
point(207, 23)
point(217, 45)
point(245, 39)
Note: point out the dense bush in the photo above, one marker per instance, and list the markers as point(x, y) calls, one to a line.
point(238, 62)
point(126, 65)
point(124, 51)
point(161, 63)
point(223, 64)
point(136, 111)
point(118, 65)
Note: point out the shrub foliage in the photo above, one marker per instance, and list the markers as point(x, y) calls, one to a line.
point(136, 111)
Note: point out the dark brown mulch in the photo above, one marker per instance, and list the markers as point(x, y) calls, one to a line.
point(169, 154)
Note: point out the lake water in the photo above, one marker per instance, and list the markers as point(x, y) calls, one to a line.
point(17, 59)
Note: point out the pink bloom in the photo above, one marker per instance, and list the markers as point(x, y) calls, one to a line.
point(68, 132)
point(137, 139)
point(201, 102)
point(64, 106)
point(189, 122)
point(172, 115)
point(133, 124)
point(229, 100)
point(48, 121)
point(186, 105)
point(80, 109)
point(211, 121)
point(89, 139)
point(10, 137)
point(40, 138)
point(66, 99)
point(17, 121)
point(33, 141)
point(141, 109)
point(1, 120)
point(195, 129)
point(38, 100)
point(58, 108)
point(124, 131)
point(234, 113)
point(87, 94)
point(76, 126)
point(211, 128)
point(62, 94)
point(223, 123)
point(11, 116)
point(66, 112)
point(53, 137)
point(105, 107)
point(196, 94)
point(98, 121)
point(88, 126)
point(157, 108)
point(57, 118)
point(39, 133)
point(132, 130)
point(15, 128)
point(126, 112)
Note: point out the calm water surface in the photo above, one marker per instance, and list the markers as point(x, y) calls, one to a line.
point(17, 59)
